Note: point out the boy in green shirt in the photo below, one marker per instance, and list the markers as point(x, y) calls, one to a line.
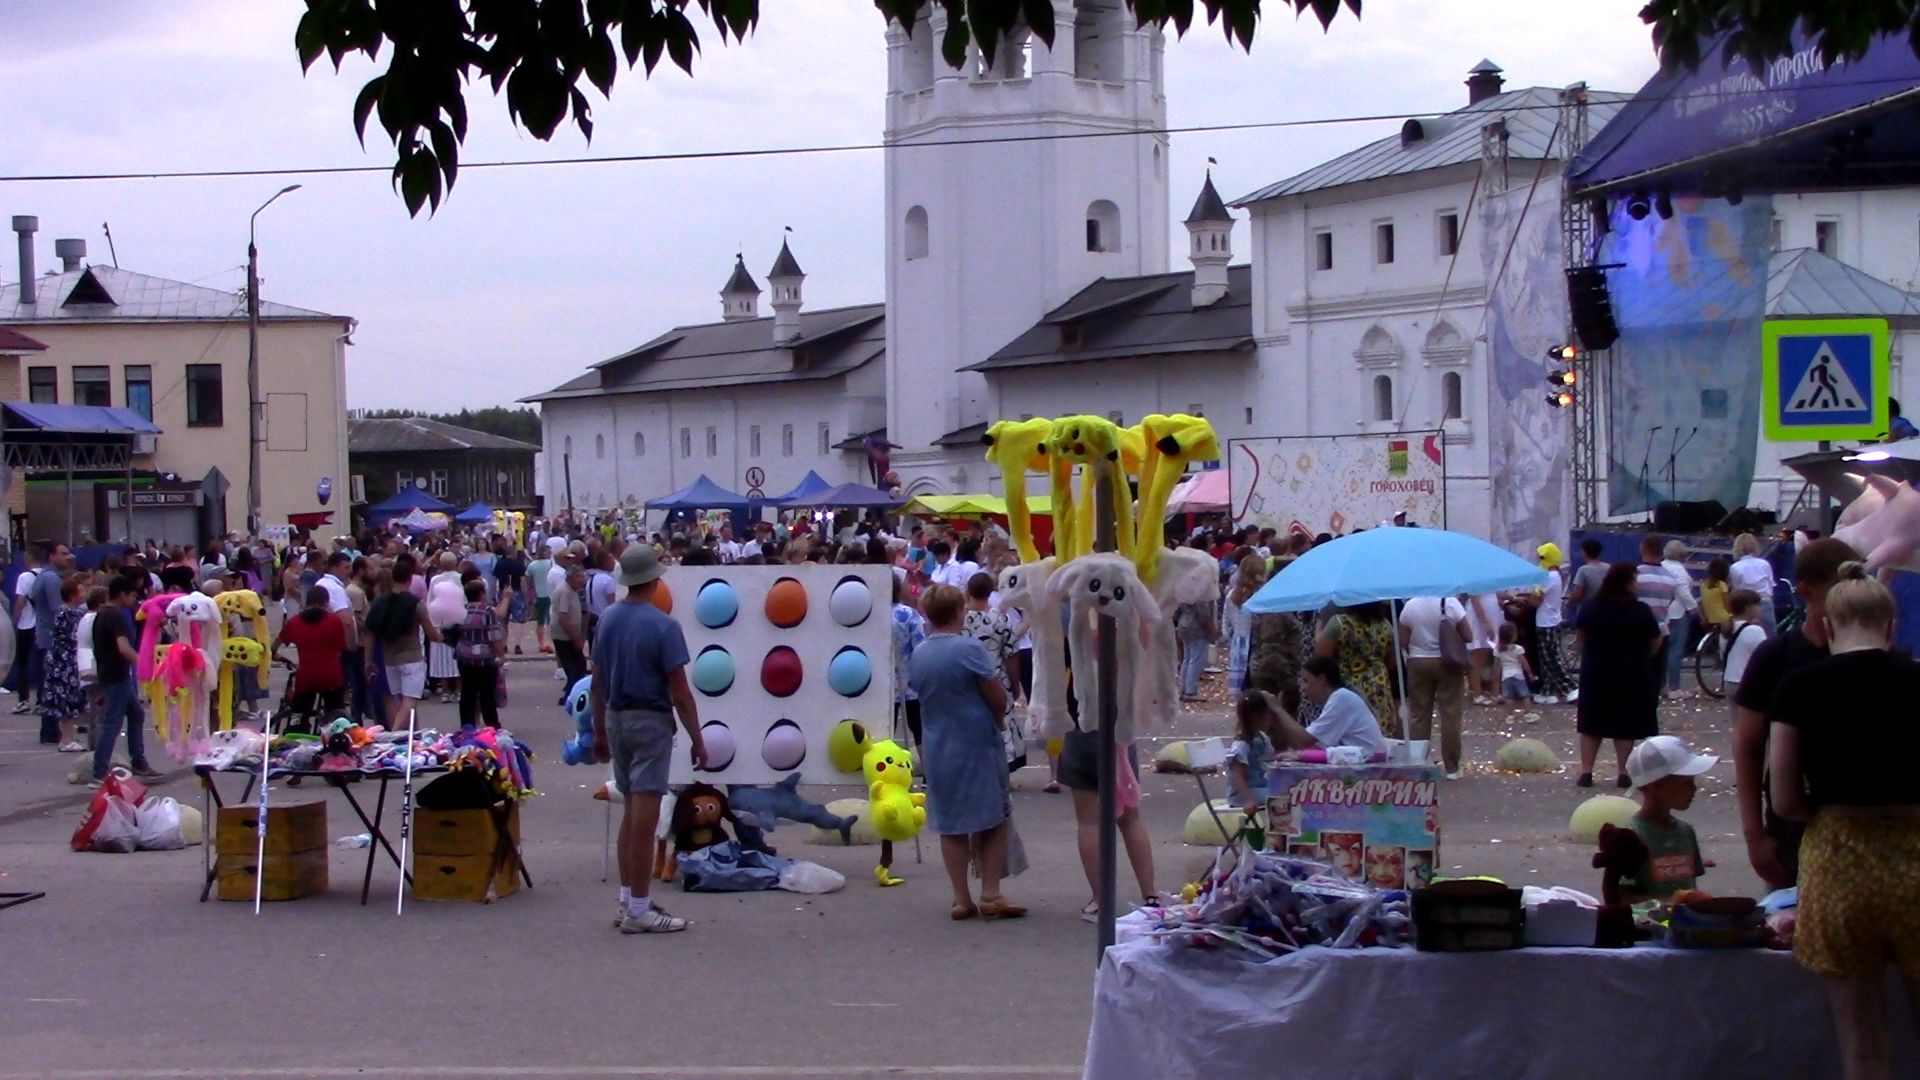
point(1662, 770)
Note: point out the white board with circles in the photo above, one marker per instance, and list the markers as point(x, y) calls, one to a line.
point(778, 655)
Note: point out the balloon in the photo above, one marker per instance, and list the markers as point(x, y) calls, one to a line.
point(780, 672)
point(851, 602)
point(784, 747)
point(713, 671)
point(720, 745)
point(786, 603)
point(663, 597)
point(850, 672)
point(716, 604)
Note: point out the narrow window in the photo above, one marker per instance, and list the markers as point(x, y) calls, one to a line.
point(753, 441)
point(1383, 243)
point(1449, 224)
point(1450, 404)
point(1773, 234)
point(43, 385)
point(826, 440)
point(139, 381)
point(1323, 250)
point(639, 444)
point(686, 443)
point(203, 396)
point(1382, 397)
point(786, 440)
point(599, 446)
point(1103, 226)
point(713, 442)
point(916, 239)
point(1826, 237)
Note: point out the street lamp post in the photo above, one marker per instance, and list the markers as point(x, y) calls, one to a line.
point(254, 406)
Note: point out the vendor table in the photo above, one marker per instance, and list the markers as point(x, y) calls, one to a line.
point(1565, 1014)
point(343, 782)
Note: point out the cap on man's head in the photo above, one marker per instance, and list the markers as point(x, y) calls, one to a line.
point(639, 564)
point(1663, 756)
point(575, 550)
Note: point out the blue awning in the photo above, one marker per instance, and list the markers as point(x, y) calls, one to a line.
point(1798, 125)
point(403, 503)
point(702, 494)
point(76, 419)
point(809, 486)
point(477, 514)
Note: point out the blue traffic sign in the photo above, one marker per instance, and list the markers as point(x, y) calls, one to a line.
point(1824, 379)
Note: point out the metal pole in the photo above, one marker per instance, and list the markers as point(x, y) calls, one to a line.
point(1108, 678)
point(1826, 501)
point(129, 506)
point(566, 467)
point(66, 456)
point(253, 368)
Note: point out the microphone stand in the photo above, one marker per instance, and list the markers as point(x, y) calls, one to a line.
point(1645, 459)
point(1673, 457)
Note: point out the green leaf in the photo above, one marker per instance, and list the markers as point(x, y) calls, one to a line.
point(363, 106)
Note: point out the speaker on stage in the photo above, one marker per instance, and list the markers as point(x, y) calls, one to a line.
point(1687, 517)
point(1591, 307)
point(1747, 519)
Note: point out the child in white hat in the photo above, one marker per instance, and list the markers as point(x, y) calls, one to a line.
point(1662, 770)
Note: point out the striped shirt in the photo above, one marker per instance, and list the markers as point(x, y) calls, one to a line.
point(1656, 588)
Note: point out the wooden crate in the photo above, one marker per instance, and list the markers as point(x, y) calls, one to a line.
point(288, 877)
point(463, 877)
point(292, 829)
point(461, 832)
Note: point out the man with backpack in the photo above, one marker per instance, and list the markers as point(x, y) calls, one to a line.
point(477, 650)
point(391, 640)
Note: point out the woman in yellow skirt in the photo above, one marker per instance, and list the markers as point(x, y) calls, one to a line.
point(1840, 756)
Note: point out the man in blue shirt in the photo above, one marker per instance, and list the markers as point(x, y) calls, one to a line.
point(639, 683)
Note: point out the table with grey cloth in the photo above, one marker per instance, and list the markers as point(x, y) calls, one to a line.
point(1543, 1014)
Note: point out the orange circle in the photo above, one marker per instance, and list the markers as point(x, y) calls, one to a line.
point(786, 603)
point(663, 597)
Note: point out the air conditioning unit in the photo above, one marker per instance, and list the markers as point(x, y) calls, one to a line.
point(357, 488)
point(145, 444)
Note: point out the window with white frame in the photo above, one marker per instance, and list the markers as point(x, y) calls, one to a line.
point(437, 484)
point(1383, 243)
point(1323, 249)
point(1447, 224)
point(1451, 405)
point(1383, 397)
point(402, 479)
point(1826, 237)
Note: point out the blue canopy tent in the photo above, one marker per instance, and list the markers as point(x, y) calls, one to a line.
point(403, 503)
point(477, 514)
point(810, 485)
point(1798, 125)
point(1391, 563)
point(703, 494)
point(845, 497)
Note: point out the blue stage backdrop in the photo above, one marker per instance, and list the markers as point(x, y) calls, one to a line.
point(1528, 440)
point(1683, 402)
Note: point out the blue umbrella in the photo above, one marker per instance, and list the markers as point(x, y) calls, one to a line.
point(1393, 564)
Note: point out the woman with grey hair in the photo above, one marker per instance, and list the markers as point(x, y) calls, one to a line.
point(1680, 612)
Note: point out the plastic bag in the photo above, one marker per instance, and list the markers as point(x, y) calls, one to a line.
point(119, 827)
point(810, 877)
point(160, 827)
point(119, 784)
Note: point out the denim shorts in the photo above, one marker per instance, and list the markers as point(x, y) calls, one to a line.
point(1080, 760)
point(642, 743)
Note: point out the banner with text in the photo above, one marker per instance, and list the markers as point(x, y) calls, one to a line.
point(1336, 483)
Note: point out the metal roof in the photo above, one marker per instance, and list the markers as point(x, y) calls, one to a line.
point(784, 264)
point(832, 342)
point(132, 296)
point(1451, 139)
point(12, 341)
point(1802, 283)
point(971, 435)
point(1116, 318)
point(417, 434)
point(1208, 206)
point(76, 419)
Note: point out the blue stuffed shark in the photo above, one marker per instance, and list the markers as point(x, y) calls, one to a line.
point(759, 807)
point(579, 749)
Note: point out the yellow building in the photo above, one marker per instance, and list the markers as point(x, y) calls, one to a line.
point(176, 354)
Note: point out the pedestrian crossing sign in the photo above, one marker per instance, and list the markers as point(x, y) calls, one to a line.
point(1824, 379)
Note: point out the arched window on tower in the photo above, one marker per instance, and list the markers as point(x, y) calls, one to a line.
point(916, 233)
point(1451, 405)
point(1383, 397)
point(1103, 226)
point(567, 447)
point(599, 446)
point(1099, 42)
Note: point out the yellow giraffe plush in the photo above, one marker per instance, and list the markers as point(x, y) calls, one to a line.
point(1095, 442)
point(1173, 442)
point(1019, 447)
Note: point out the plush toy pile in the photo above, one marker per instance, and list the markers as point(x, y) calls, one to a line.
point(345, 747)
point(1271, 904)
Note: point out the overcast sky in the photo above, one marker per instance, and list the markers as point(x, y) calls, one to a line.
point(527, 276)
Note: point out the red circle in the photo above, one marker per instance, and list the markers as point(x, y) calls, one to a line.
point(780, 672)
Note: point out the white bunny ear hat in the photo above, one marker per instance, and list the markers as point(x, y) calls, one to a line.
point(1106, 584)
point(1027, 587)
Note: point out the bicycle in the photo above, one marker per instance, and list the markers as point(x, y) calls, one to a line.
point(1708, 660)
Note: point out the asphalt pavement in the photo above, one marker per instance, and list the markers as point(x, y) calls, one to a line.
point(120, 973)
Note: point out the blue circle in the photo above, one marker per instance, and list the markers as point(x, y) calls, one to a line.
point(716, 605)
point(850, 672)
point(713, 671)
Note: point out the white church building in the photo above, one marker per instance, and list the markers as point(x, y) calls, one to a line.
point(1360, 312)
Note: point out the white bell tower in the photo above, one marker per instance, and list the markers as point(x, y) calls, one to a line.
point(1068, 186)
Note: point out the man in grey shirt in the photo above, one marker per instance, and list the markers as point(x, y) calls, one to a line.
point(1586, 580)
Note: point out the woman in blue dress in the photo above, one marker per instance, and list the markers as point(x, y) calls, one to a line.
point(963, 706)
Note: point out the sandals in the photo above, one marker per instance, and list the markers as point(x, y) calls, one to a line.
point(1052, 788)
point(963, 912)
point(74, 746)
point(999, 907)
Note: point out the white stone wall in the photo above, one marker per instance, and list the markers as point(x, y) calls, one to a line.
point(610, 468)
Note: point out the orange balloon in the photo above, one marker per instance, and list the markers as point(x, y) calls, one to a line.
point(786, 603)
point(663, 597)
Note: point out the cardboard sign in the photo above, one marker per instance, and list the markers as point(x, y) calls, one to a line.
point(1374, 823)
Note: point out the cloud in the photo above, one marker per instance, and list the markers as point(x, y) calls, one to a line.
point(529, 275)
